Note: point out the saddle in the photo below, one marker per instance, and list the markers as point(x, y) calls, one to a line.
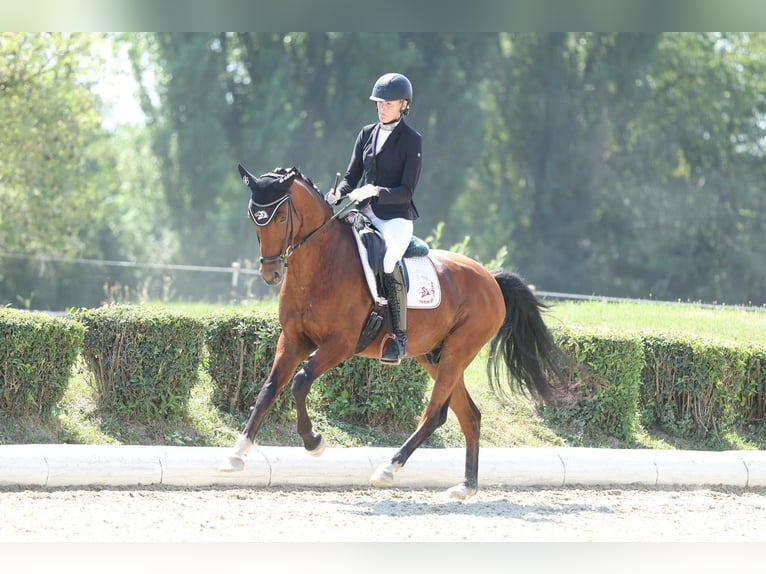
point(420, 277)
point(421, 280)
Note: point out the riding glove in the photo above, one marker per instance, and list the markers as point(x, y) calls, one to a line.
point(332, 197)
point(364, 192)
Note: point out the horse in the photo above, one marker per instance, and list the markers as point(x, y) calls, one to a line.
point(325, 303)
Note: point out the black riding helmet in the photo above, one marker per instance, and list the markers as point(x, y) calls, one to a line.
point(391, 87)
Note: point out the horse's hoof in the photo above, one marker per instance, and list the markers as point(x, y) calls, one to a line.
point(232, 464)
point(319, 448)
point(460, 492)
point(383, 476)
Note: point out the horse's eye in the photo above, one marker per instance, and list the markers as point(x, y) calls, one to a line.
point(282, 219)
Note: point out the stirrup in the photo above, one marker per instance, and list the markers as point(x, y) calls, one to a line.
point(392, 350)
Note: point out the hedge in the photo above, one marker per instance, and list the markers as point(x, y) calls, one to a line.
point(617, 361)
point(144, 361)
point(37, 355)
point(364, 391)
point(684, 385)
point(752, 401)
point(692, 386)
point(241, 349)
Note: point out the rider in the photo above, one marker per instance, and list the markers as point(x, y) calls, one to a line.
point(381, 176)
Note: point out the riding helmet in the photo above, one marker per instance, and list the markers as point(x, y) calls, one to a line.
point(391, 87)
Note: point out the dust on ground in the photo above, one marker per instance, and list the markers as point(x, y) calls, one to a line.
point(210, 514)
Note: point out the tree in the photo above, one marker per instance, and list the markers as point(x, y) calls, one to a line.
point(691, 164)
point(614, 163)
point(554, 99)
point(49, 118)
point(69, 187)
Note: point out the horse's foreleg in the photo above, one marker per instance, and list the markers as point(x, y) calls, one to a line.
point(266, 397)
point(285, 363)
point(235, 461)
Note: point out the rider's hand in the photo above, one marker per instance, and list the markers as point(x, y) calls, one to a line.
point(332, 197)
point(364, 192)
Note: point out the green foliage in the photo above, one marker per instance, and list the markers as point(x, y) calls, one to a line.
point(241, 348)
point(465, 248)
point(240, 351)
point(49, 120)
point(144, 361)
point(79, 190)
point(37, 355)
point(48, 112)
point(655, 164)
point(611, 398)
point(753, 398)
point(685, 385)
point(278, 99)
point(725, 386)
point(363, 391)
point(691, 385)
point(628, 164)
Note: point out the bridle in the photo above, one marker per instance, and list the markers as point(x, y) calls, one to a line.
point(288, 243)
point(289, 240)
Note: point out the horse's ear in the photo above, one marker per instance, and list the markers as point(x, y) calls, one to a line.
point(247, 177)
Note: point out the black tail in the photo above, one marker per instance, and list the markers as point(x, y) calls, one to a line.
point(523, 345)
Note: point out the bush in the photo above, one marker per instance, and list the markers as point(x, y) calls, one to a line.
point(363, 391)
point(144, 361)
point(240, 351)
point(611, 405)
point(691, 386)
point(752, 401)
point(37, 354)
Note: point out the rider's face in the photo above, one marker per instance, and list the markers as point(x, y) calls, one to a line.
point(390, 111)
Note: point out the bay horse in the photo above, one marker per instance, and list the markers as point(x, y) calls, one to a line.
point(324, 304)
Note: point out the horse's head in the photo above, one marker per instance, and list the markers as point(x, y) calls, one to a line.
point(286, 208)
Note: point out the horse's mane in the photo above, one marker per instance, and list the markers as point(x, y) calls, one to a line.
point(299, 175)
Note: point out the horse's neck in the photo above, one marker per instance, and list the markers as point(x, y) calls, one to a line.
point(324, 261)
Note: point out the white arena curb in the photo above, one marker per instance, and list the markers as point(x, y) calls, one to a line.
point(64, 465)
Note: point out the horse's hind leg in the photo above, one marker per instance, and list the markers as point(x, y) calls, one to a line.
point(448, 387)
point(469, 417)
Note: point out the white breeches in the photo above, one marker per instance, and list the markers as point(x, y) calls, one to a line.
point(397, 234)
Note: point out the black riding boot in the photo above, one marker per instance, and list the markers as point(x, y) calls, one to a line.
point(396, 293)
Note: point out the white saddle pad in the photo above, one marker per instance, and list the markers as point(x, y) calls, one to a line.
point(424, 291)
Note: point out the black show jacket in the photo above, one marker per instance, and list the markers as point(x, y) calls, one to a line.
point(395, 169)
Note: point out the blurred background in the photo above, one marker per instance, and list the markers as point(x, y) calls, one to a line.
point(613, 164)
